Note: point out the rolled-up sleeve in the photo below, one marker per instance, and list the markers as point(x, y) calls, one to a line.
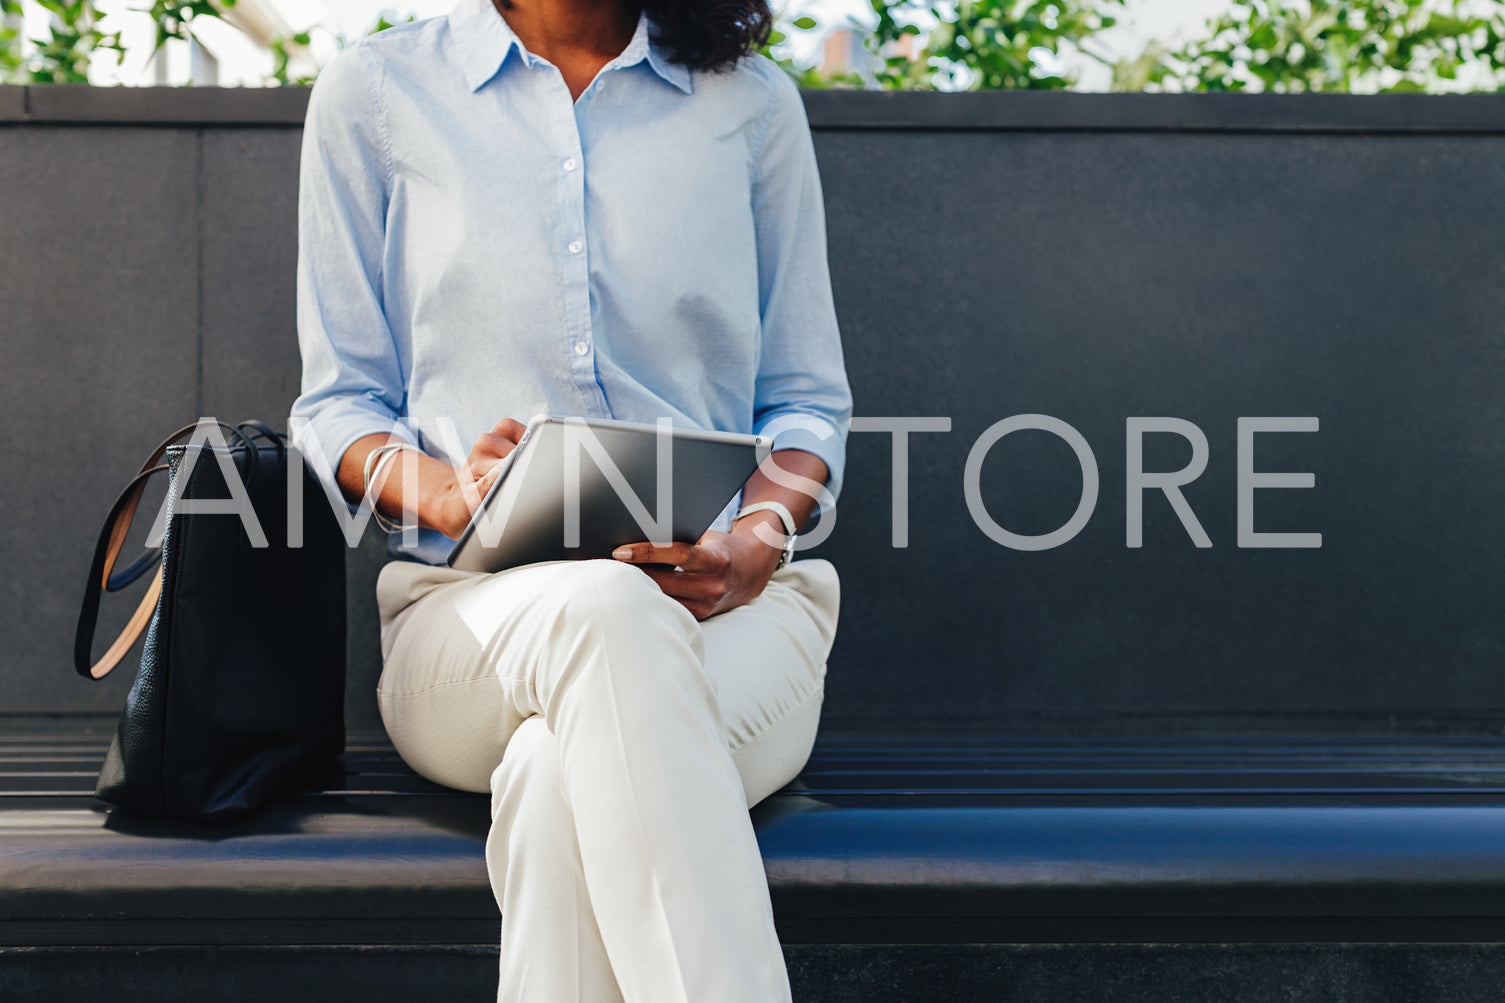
point(801, 393)
point(352, 380)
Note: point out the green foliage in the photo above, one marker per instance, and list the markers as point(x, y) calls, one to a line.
point(282, 54)
point(1343, 45)
point(1146, 71)
point(382, 24)
point(282, 51)
point(10, 42)
point(811, 77)
point(986, 44)
point(1257, 45)
point(1269, 45)
point(174, 18)
point(63, 56)
point(75, 34)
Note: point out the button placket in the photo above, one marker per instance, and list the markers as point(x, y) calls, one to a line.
point(569, 165)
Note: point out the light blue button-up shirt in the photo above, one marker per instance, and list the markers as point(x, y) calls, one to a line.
point(474, 245)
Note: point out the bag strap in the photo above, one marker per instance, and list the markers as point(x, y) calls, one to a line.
point(101, 577)
point(253, 429)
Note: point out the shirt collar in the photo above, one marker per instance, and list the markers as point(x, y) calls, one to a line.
point(483, 39)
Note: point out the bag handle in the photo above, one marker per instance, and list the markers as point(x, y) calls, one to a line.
point(262, 430)
point(111, 538)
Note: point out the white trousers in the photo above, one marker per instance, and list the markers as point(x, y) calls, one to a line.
point(622, 742)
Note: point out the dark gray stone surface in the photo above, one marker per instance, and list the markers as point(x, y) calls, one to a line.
point(985, 973)
point(1149, 973)
point(1198, 259)
point(12, 104)
point(181, 106)
point(844, 109)
point(1053, 111)
point(98, 361)
point(1095, 277)
point(248, 217)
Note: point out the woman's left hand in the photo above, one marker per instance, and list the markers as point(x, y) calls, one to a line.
point(721, 572)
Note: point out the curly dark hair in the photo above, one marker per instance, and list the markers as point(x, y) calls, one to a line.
point(706, 35)
point(709, 34)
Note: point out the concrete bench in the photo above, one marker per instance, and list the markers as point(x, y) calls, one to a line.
point(1093, 770)
point(902, 867)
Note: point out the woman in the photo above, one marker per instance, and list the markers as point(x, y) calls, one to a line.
point(581, 206)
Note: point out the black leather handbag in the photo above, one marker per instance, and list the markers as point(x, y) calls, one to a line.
point(240, 693)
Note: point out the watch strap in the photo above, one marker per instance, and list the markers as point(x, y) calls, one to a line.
point(786, 517)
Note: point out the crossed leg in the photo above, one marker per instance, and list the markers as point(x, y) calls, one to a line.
point(622, 742)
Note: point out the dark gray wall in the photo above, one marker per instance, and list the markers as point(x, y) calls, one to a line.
point(1086, 257)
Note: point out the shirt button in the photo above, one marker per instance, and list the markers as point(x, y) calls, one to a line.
point(570, 164)
point(576, 247)
point(581, 348)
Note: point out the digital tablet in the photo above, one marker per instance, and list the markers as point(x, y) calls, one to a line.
point(576, 488)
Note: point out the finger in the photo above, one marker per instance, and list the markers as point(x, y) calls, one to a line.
point(510, 429)
point(697, 608)
point(707, 560)
point(704, 590)
point(493, 444)
point(488, 478)
point(648, 553)
point(699, 611)
point(475, 480)
point(684, 556)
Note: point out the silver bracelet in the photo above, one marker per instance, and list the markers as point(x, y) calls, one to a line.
point(376, 462)
point(785, 516)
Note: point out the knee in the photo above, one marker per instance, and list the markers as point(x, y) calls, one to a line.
point(608, 600)
point(528, 784)
point(611, 584)
point(610, 617)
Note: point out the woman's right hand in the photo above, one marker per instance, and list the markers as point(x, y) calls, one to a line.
point(444, 496)
point(450, 511)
